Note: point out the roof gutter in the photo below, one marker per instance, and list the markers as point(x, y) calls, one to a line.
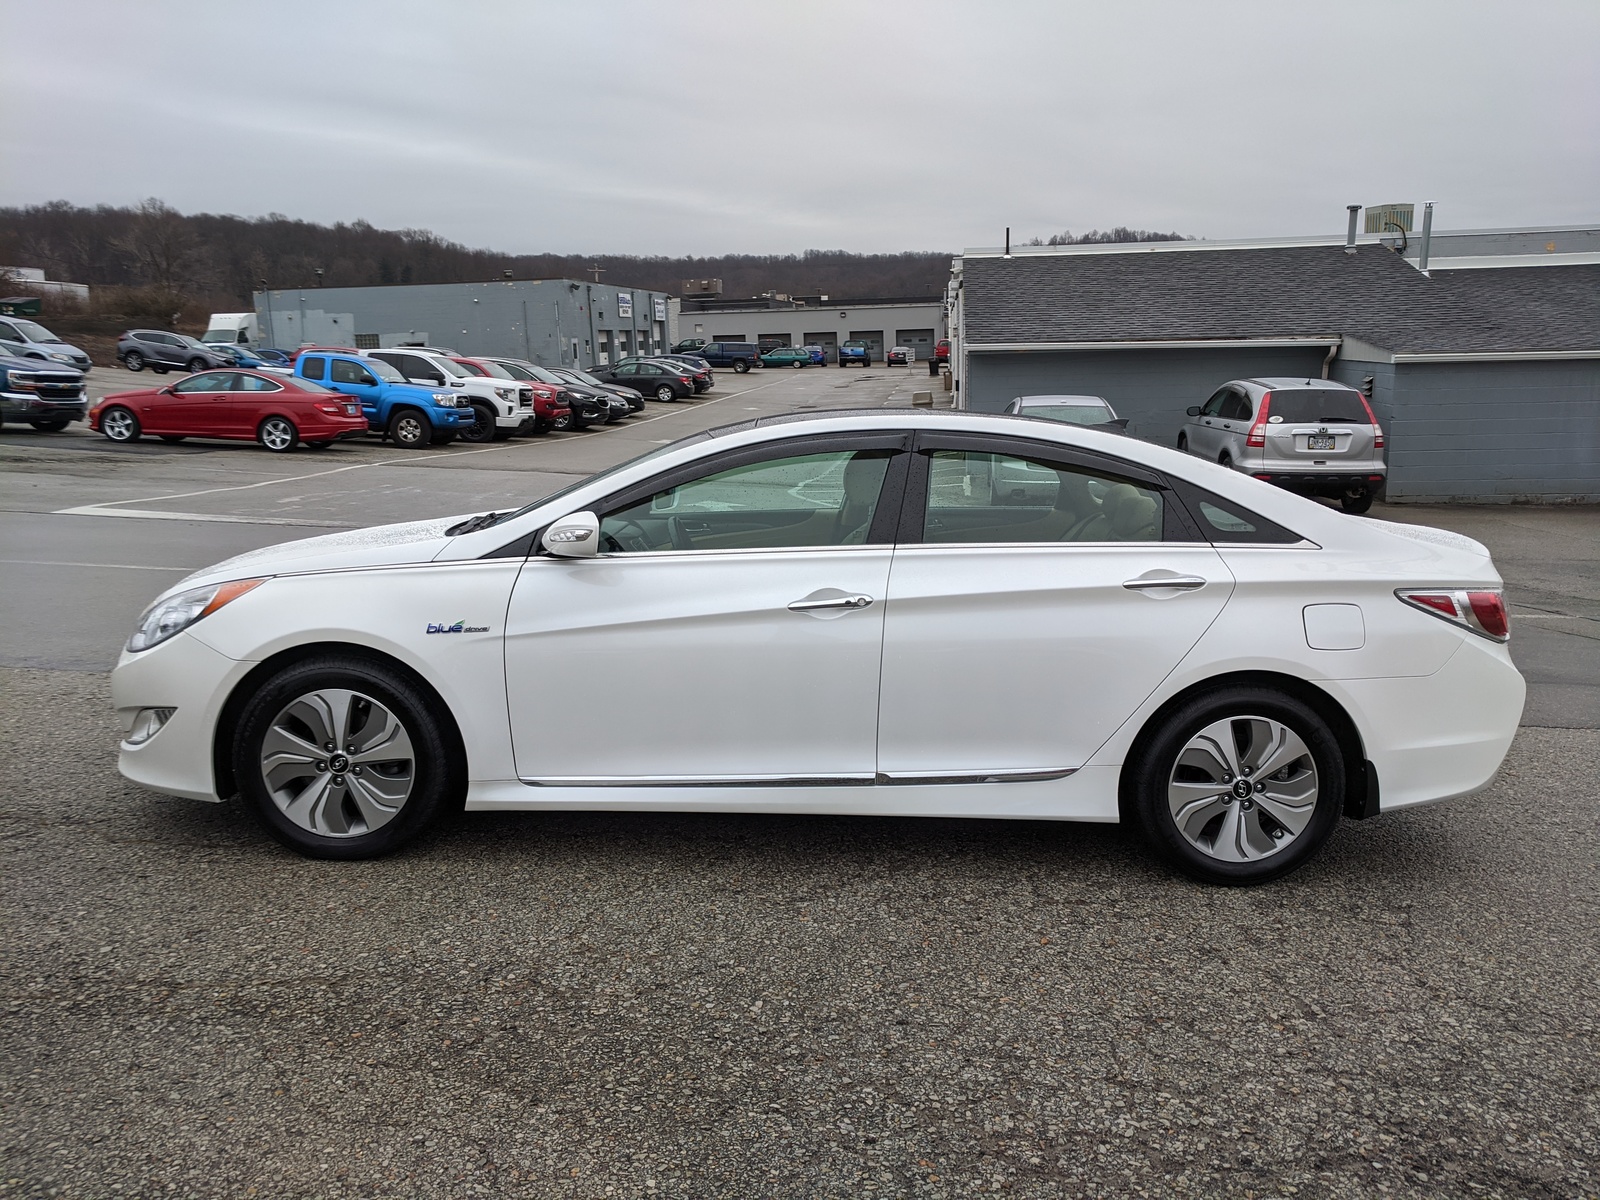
point(1495, 356)
point(1173, 344)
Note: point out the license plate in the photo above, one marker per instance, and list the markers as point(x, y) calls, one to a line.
point(352, 410)
point(1320, 441)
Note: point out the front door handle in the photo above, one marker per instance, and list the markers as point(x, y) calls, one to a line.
point(856, 601)
point(1182, 583)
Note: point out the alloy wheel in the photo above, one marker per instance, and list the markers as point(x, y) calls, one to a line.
point(277, 434)
point(134, 361)
point(120, 425)
point(665, 393)
point(1243, 788)
point(338, 763)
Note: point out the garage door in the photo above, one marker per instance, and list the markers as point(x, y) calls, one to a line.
point(874, 340)
point(920, 340)
point(767, 341)
point(728, 337)
point(828, 341)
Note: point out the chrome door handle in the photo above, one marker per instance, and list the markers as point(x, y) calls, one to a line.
point(1182, 583)
point(856, 601)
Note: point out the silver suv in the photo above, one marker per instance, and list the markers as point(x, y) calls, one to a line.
point(1312, 436)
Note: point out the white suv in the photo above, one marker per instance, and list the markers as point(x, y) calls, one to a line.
point(1312, 436)
point(504, 407)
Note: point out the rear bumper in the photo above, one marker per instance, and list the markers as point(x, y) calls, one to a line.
point(1323, 483)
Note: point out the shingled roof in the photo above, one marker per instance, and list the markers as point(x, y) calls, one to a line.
point(1276, 292)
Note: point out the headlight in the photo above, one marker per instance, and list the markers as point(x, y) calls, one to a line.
point(66, 358)
point(169, 617)
point(444, 398)
point(504, 393)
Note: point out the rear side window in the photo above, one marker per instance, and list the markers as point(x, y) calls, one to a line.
point(1236, 407)
point(314, 367)
point(1227, 522)
point(982, 497)
point(1320, 406)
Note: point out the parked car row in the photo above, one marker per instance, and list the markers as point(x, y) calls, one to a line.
point(415, 396)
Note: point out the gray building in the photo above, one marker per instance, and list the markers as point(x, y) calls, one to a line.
point(556, 322)
point(1485, 372)
point(816, 320)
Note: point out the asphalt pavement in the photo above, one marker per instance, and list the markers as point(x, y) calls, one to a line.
point(592, 1005)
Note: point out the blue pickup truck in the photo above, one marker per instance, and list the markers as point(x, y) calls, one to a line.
point(413, 415)
point(855, 352)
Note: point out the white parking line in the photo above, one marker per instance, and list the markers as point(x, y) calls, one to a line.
point(117, 508)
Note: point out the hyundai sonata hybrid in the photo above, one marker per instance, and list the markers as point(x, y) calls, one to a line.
point(815, 613)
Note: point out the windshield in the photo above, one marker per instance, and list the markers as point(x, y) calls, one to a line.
point(449, 369)
point(495, 370)
point(1303, 406)
point(218, 335)
point(1072, 414)
point(585, 377)
point(189, 341)
point(517, 371)
point(544, 376)
point(34, 331)
point(387, 372)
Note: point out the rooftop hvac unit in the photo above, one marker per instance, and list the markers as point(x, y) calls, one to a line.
point(702, 287)
point(1384, 218)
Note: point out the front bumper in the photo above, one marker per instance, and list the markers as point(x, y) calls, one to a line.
point(30, 406)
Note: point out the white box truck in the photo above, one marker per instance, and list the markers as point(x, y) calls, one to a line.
point(234, 329)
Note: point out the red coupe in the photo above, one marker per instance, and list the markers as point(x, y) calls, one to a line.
point(278, 411)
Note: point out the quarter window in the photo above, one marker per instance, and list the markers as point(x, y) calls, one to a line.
point(254, 383)
point(807, 500)
point(984, 497)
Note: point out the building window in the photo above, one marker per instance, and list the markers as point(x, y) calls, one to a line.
point(366, 341)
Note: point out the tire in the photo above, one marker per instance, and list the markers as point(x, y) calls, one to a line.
point(1356, 503)
point(444, 439)
point(405, 782)
point(798, 365)
point(1225, 460)
point(410, 429)
point(1203, 813)
point(665, 393)
point(319, 445)
point(52, 426)
point(562, 423)
point(195, 365)
point(278, 434)
point(119, 425)
point(172, 439)
point(740, 366)
point(482, 428)
point(158, 369)
point(133, 360)
point(1183, 442)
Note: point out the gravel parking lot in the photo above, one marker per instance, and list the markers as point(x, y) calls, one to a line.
point(595, 1005)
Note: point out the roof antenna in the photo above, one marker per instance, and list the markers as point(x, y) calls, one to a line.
point(1008, 241)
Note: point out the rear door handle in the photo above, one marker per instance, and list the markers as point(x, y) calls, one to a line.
point(856, 601)
point(1182, 583)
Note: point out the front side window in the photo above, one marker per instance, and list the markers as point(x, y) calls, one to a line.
point(345, 371)
point(984, 497)
point(206, 381)
point(1213, 406)
point(807, 500)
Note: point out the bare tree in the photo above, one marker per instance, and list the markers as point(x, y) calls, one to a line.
point(162, 246)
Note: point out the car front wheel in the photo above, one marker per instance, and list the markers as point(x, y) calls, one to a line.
point(1237, 786)
point(482, 427)
point(410, 429)
point(345, 758)
point(133, 360)
point(119, 425)
point(196, 365)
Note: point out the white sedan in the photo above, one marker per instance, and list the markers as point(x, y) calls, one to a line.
point(846, 613)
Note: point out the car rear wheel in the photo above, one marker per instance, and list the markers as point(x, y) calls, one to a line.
point(172, 439)
point(410, 429)
point(798, 364)
point(133, 360)
point(119, 425)
point(665, 393)
point(278, 434)
point(482, 427)
point(740, 367)
point(1356, 500)
point(55, 426)
point(344, 758)
point(1237, 786)
point(158, 368)
point(319, 445)
point(1225, 460)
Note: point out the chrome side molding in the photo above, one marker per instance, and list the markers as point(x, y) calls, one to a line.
point(894, 779)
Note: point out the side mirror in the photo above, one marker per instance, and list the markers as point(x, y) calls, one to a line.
point(1193, 410)
point(367, 381)
point(1119, 423)
point(576, 536)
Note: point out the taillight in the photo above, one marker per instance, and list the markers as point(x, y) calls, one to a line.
point(1377, 430)
point(335, 409)
point(1483, 611)
point(1258, 431)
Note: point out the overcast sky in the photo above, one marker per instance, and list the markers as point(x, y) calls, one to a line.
point(769, 126)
